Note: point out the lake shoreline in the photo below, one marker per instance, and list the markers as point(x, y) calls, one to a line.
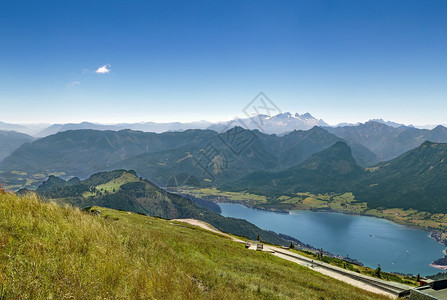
point(440, 267)
point(434, 234)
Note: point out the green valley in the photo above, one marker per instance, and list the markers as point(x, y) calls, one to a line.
point(331, 202)
point(413, 181)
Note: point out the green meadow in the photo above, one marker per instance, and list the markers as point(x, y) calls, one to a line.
point(52, 252)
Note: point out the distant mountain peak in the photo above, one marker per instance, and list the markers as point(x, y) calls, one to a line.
point(288, 115)
point(340, 148)
point(305, 116)
point(426, 144)
point(388, 123)
point(439, 128)
point(317, 130)
point(277, 124)
point(375, 122)
point(236, 128)
point(285, 115)
point(341, 144)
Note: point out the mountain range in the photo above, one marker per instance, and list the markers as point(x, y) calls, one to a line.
point(371, 142)
point(318, 160)
point(387, 142)
point(210, 157)
point(414, 180)
point(330, 170)
point(206, 156)
point(278, 124)
point(30, 129)
point(380, 163)
point(11, 140)
point(382, 121)
point(143, 126)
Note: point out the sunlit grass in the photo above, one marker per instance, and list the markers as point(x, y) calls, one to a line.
point(48, 251)
point(113, 185)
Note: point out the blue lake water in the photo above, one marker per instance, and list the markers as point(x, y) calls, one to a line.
point(370, 240)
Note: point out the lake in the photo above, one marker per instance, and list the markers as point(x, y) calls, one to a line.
point(370, 240)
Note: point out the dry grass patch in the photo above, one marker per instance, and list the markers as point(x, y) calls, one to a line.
point(48, 251)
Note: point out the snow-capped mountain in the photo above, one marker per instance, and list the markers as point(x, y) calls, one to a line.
point(277, 124)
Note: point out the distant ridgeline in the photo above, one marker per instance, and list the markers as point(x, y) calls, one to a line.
point(417, 179)
point(124, 190)
point(10, 141)
point(341, 159)
point(211, 157)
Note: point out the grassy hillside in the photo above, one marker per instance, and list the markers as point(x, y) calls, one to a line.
point(414, 180)
point(47, 251)
point(124, 190)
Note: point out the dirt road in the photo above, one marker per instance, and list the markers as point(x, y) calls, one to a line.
point(374, 285)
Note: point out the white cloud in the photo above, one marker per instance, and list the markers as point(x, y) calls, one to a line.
point(103, 70)
point(73, 84)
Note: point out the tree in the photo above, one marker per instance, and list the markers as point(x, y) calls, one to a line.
point(418, 278)
point(378, 272)
point(292, 246)
point(258, 238)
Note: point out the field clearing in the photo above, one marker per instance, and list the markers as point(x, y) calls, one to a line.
point(223, 196)
point(112, 186)
point(15, 180)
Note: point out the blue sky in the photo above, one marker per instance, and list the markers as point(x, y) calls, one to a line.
point(342, 61)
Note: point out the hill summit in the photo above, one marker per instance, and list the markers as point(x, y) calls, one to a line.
point(415, 179)
point(326, 171)
point(124, 190)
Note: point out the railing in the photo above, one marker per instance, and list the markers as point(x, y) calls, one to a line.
point(396, 289)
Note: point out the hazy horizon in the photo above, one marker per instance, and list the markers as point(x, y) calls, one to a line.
point(47, 124)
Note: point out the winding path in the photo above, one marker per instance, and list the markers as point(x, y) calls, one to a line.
point(375, 285)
